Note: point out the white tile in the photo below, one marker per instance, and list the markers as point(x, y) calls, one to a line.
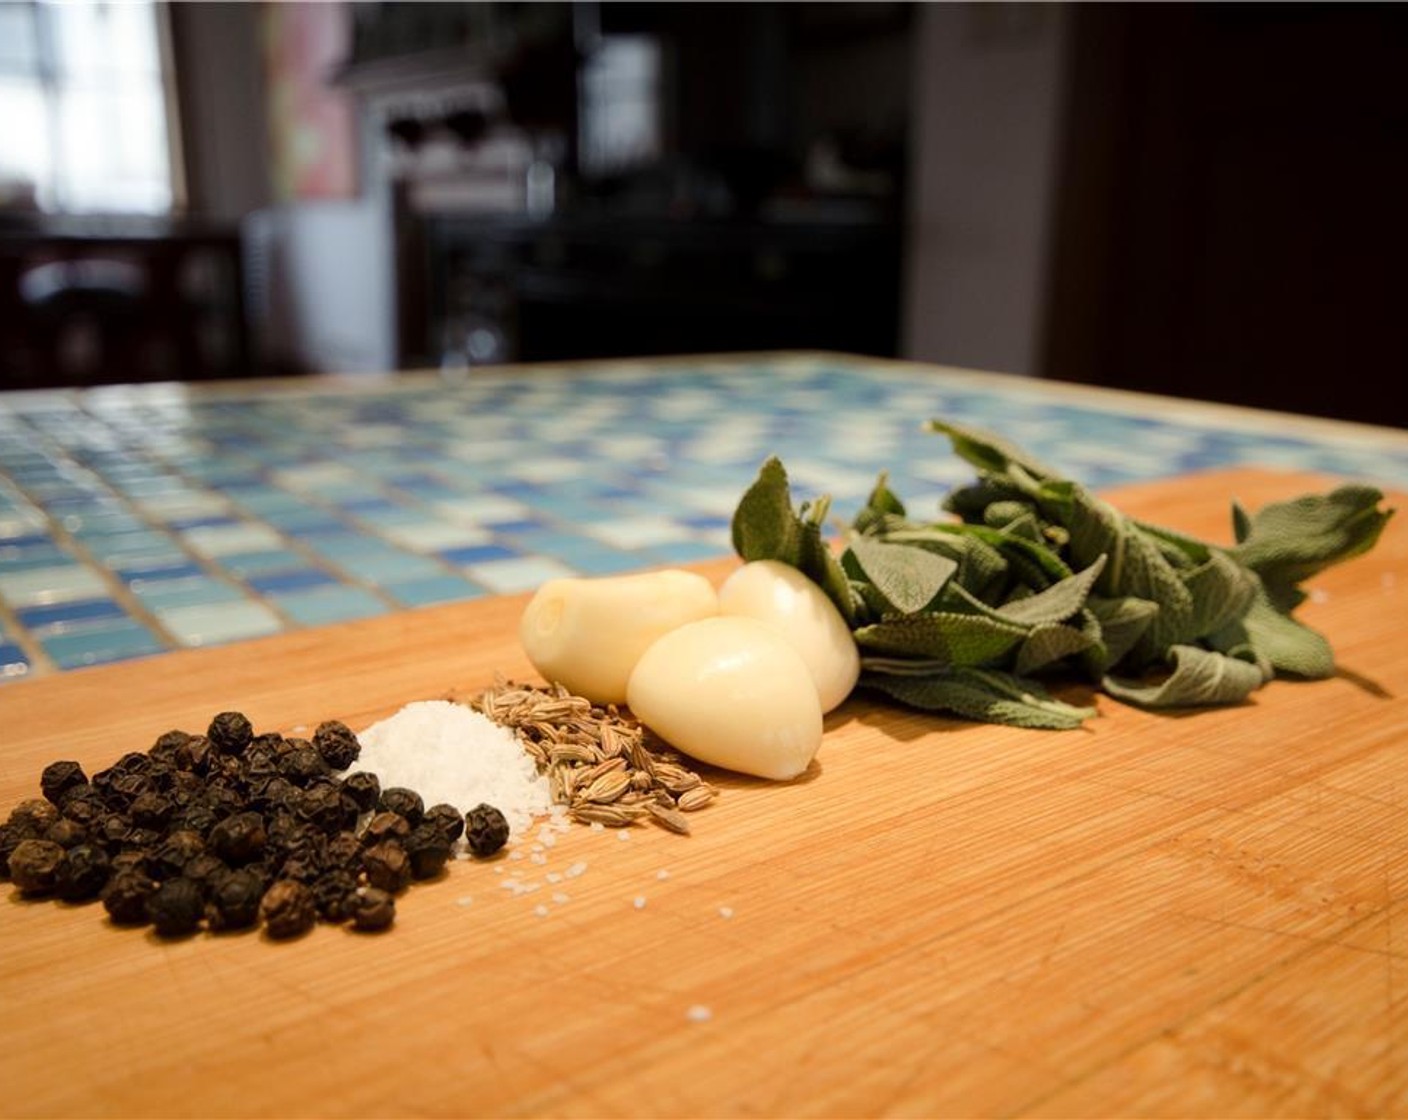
point(637, 532)
point(432, 536)
point(210, 624)
point(181, 504)
point(62, 583)
point(517, 574)
point(222, 540)
point(484, 509)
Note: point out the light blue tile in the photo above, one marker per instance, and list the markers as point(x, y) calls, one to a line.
point(432, 589)
point(100, 645)
point(60, 583)
point(215, 623)
point(332, 604)
point(160, 595)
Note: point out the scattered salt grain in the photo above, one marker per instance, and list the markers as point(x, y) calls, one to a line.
point(448, 753)
point(699, 1014)
point(538, 858)
point(639, 902)
point(560, 897)
point(662, 874)
point(576, 869)
point(553, 876)
point(465, 900)
point(725, 911)
point(515, 855)
point(541, 910)
point(623, 835)
point(597, 826)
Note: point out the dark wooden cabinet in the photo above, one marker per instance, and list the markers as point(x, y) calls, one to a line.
point(595, 287)
point(113, 301)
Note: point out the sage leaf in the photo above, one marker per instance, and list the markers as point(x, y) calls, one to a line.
point(1288, 542)
point(907, 578)
point(1222, 592)
point(1057, 602)
point(1123, 622)
point(1049, 643)
point(766, 527)
point(990, 452)
point(1200, 678)
point(1287, 644)
point(955, 639)
point(986, 695)
point(764, 524)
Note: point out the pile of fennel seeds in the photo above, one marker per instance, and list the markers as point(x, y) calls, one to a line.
point(603, 766)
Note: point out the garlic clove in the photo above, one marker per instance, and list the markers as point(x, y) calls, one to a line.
point(779, 595)
point(730, 691)
point(587, 634)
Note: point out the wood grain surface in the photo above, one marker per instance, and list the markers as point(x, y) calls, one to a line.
point(1196, 914)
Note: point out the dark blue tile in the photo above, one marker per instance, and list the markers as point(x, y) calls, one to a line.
point(84, 610)
point(161, 571)
point(477, 554)
point(278, 582)
point(184, 523)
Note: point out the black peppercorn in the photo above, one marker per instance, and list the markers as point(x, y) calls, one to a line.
point(58, 777)
point(404, 801)
point(302, 764)
point(427, 849)
point(197, 817)
point(83, 804)
point(385, 826)
point(124, 788)
point(33, 864)
point(239, 839)
point(150, 810)
point(32, 818)
point(193, 755)
point(9, 839)
point(288, 909)
point(81, 873)
point(168, 744)
point(448, 819)
point(344, 851)
point(66, 833)
point(372, 910)
point(485, 829)
point(387, 866)
point(112, 831)
point(363, 788)
point(176, 907)
point(173, 852)
point(326, 807)
point(206, 869)
point(230, 732)
point(125, 896)
point(333, 892)
point(337, 744)
point(234, 899)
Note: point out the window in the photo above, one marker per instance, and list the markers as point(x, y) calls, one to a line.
point(83, 109)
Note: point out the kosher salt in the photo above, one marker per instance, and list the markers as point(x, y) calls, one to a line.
point(449, 753)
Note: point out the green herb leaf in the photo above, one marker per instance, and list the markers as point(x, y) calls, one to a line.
point(954, 639)
point(1200, 678)
point(1288, 645)
point(1057, 602)
point(1288, 542)
point(990, 452)
point(1123, 622)
point(1051, 642)
point(764, 524)
point(908, 579)
point(986, 695)
point(765, 527)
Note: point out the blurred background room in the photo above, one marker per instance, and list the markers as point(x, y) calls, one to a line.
point(1197, 200)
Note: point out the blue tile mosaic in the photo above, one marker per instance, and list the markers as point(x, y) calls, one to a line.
point(168, 516)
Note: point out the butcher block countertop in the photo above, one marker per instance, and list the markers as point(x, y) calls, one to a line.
point(1176, 915)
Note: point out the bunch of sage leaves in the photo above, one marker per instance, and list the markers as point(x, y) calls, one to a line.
point(1036, 576)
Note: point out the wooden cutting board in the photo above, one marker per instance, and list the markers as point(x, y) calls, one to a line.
point(1158, 915)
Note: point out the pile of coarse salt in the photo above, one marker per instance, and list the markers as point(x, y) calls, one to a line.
point(449, 753)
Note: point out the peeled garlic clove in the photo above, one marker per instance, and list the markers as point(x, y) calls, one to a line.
point(587, 634)
point(781, 596)
point(732, 692)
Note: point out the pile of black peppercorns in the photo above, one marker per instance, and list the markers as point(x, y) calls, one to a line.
point(233, 829)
